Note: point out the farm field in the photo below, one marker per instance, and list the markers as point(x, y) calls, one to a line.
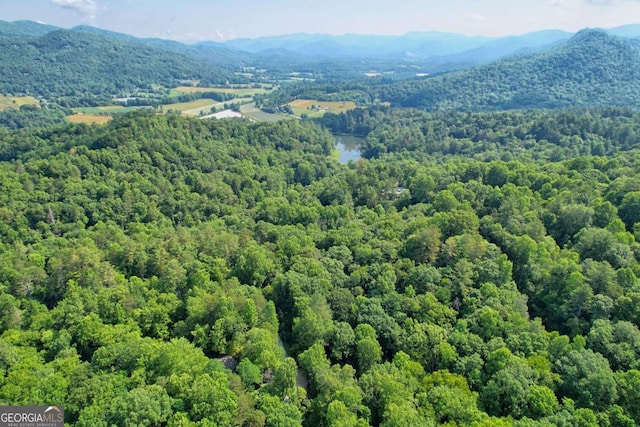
point(89, 119)
point(248, 91)
point(299, 79)
point(315, 108)
point(192, 108)
point(206, 107)
point(106, 109)
point(183, 107)
point(250, 111)
point(16, 101)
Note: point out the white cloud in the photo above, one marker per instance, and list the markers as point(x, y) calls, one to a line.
point(476, 18)
point(610, 2)
point(87, 9)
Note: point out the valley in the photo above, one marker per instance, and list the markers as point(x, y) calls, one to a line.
point(430, 229)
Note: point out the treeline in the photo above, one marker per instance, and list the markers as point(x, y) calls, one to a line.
point(156, 101)
point(407, 290)
point(511, 135)
point(29, 116)
point(357, 91)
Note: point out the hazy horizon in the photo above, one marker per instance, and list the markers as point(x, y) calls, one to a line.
point(197, 20)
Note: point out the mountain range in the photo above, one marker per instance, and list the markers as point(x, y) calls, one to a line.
point(441, 51)
point(433, 47)
point(414, 46)
point(545, 69)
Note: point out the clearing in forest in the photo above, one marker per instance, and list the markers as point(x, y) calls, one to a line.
point(245, 91)
point(204, 107)
point(111, 109)
point(191, 105)
point(16, 101)
point(250, 111)
point(89, 119)
point(315, 108)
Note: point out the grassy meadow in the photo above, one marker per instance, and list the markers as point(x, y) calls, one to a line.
point(245, 91)
point(191, 105)
point(106, 109)
point(253, 113)
point(89, 119)
point(315, 108)
point(16, 101)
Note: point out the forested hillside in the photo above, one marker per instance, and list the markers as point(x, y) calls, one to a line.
point(213, 54)
point(82, 68)
point(25, 28)
point(407, 289)
point(591, 69)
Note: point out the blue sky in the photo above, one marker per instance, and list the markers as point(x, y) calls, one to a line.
point(191, 20)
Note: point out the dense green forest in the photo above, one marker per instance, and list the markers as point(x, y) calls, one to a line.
point(443, 281)
point(30, 116)
point(508, 135)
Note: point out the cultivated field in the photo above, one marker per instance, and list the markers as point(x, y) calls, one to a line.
point(204, 107)
point(89, 119)
point(250, 111)
point(315, 108)
point(191, 105)
point(16, 101)
point(248, 91)
point(110, 109)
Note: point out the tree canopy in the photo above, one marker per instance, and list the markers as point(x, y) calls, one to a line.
point(189, 272)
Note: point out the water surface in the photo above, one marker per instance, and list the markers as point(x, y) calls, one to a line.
point(348, 148)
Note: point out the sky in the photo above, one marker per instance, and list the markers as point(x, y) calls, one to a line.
point(219, 20)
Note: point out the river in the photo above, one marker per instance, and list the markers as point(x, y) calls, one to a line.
point(348, 148)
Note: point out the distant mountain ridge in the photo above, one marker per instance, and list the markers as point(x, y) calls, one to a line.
point(411, 46)
point(439, 47)
point(592, 68)
point(419, 44)
point(503, 47)
point(435, 47)
point(25, 28)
